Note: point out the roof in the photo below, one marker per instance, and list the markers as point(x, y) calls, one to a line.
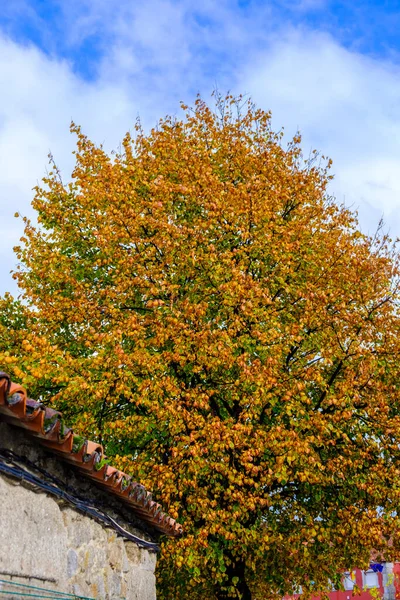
point(46, 425)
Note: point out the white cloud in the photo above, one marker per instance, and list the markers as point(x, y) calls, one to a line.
point(40, 96)
point(347, 106)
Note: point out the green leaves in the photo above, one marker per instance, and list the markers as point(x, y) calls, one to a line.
point(200, 306)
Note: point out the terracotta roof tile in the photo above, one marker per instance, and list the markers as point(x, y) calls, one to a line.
point(47, 427)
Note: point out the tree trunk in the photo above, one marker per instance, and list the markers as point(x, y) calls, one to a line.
point(236, 569)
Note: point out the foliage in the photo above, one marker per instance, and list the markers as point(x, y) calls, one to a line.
point(201, 306)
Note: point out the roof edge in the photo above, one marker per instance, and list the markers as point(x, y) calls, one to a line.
point(47, 426)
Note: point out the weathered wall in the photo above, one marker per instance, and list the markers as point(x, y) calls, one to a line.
point(49, 544)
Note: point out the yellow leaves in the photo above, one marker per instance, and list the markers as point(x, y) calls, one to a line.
point(203, 307)
point(9, 359)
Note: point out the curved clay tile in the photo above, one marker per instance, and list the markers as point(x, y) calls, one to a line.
point(47, 426)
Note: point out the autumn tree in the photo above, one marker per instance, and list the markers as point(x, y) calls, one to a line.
point(200, 305)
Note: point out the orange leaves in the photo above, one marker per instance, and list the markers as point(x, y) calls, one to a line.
point(200, 305)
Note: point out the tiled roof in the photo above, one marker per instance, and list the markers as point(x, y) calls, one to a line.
point(47, 427)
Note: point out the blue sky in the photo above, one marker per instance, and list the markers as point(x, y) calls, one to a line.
point(329, 69)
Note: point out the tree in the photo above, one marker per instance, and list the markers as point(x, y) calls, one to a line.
point(201, 306)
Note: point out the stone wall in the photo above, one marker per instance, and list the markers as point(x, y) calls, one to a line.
point(49, 544)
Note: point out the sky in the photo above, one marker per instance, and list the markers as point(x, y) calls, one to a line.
point(329, 69)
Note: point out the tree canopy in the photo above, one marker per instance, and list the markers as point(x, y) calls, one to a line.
point(199, 304)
